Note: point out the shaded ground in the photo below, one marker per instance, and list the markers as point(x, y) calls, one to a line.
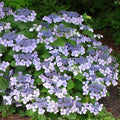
point(15, 117)
point(107, 40)
point(112, 103)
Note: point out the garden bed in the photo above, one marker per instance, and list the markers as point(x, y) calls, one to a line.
point(55, 70)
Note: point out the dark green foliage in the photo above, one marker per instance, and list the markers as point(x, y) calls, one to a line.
point(7, 110)
point(3, 83)
point(17, 4)
point(46, 7)
point(42, 7)
point(103, 115)
point(106, 15)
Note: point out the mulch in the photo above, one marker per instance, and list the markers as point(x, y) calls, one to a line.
point(112, 102)
point(15, 117)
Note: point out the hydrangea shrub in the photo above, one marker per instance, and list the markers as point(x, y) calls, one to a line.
point(53, 66)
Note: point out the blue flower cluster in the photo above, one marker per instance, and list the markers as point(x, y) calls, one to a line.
point(24, 15)
point(4, 26)
point(3, 65)
point(63, 58)
point(4, 11)
point(21, 90)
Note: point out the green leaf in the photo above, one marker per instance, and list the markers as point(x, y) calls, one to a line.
point(3, 83)
point(13, 63)
point(27, 33)
point(1, 108)
point(72, 42)
point(4, 113)
point(29, 112)
point(52, 115)
point(9, 56)
point(78, 85)
point(44, 90)
point(78, 94)
point(88, 33)
point(20, 68)
point(72, 116)
point(53, 97)
point(12, 109)
point(45, 55)
point(38, 81)
point(41, 117)
point(80, 77)
point(22, 26)
point(59, 42)
point(2, 48)
point(85, 16)
point(37, 73)
point(44, 28)
point(70, 84)
point(108, 94)
point(22, 113)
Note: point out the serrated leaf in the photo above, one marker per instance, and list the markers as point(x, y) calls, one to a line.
point(29, 112)
point(9, 56)
point(22, 27)
point(38, 81)
point(12, 109)
point(37, 73)
point(78, 85)
point(3, 83)
point(88, 33)
point(44, 28)
point(52, 115)
point(45, 55)
point(78, 94)
point(54, 98)
point(58, 42)
point(13, 63)
point(44, 90)
point(72, 116)
point(80, 77)
point(41, 117)
point(70, 84)
point(22, 113)
point(20, 68)
point(72, 42)
point(85, 16)
point(2, 48)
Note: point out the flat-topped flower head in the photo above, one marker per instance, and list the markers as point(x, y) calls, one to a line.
point(4, 65)
point(70, 14)
point(8, 39)
point(24, 15)
point(22, 89)
point(27, 59)
point(4, 11)
point(25, 44)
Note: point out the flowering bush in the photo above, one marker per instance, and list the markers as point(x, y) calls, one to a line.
point(55, 66)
